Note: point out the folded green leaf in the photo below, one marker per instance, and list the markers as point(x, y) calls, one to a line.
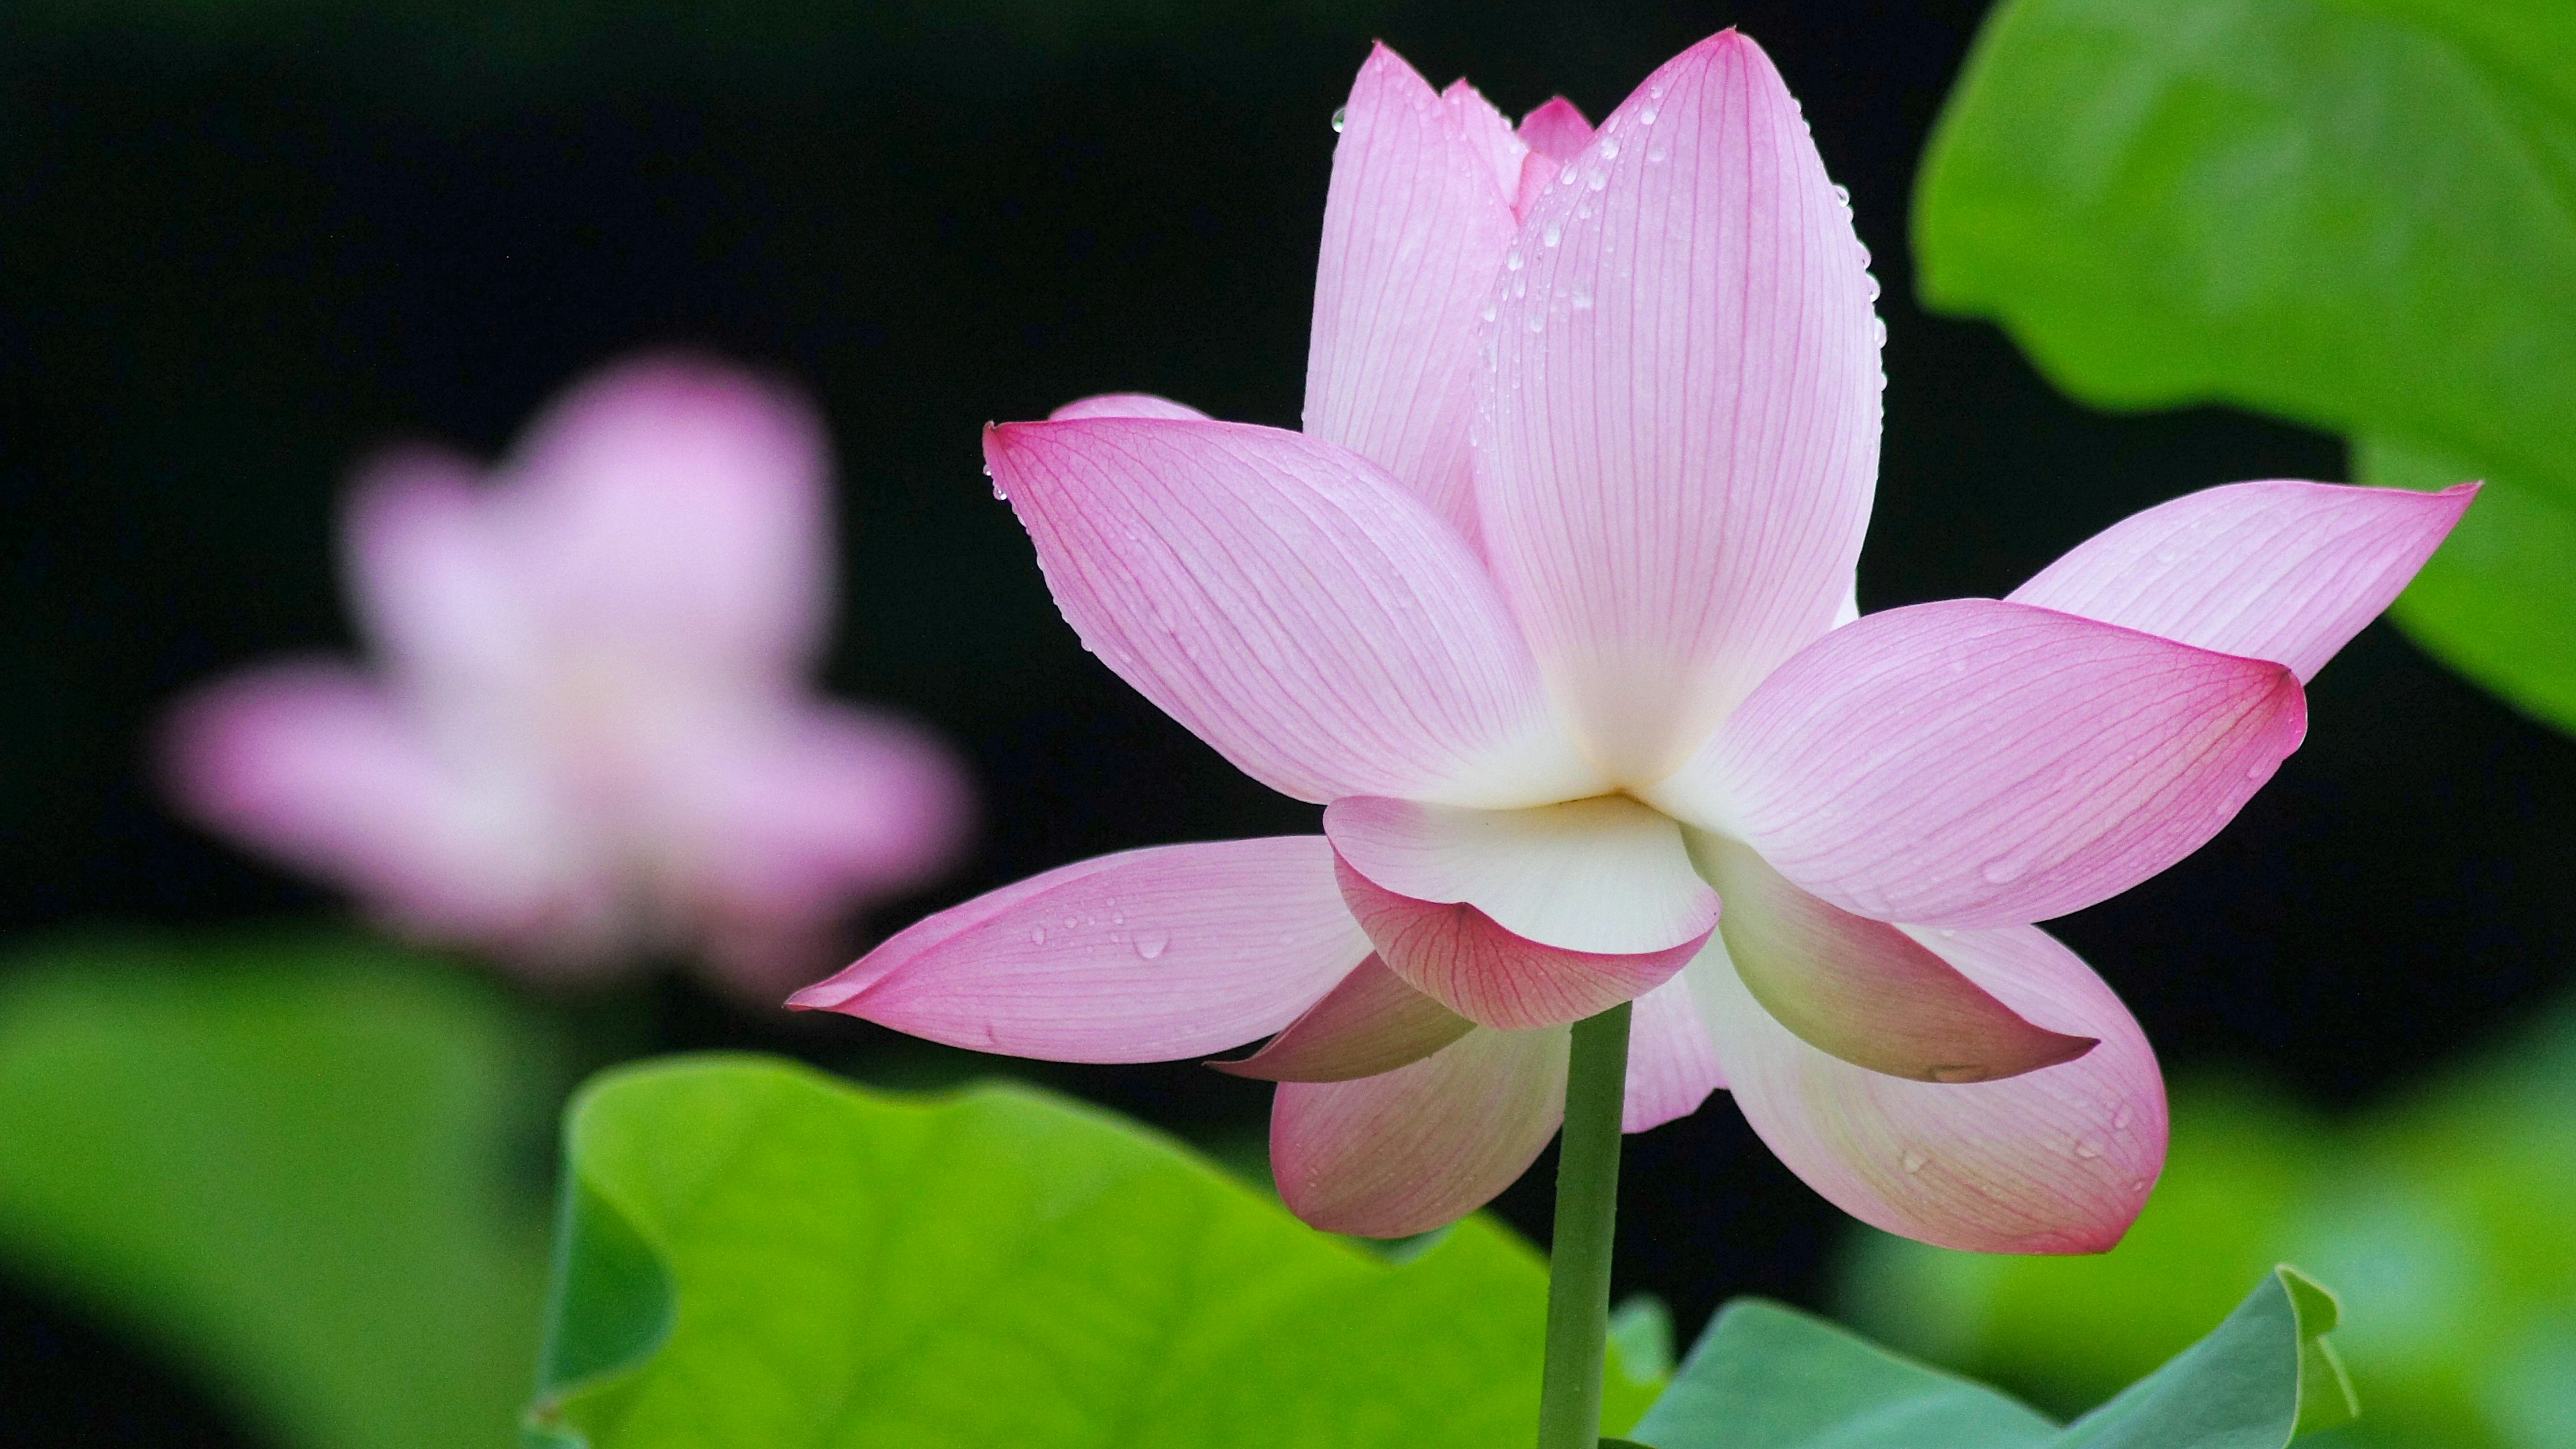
point(1765, 1376)
point(755, 1254)
point(286, 1163)
point(1769, 1377)
point(2264, 1375)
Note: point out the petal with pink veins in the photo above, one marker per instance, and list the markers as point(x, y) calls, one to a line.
point(2278, 570)
point(1369, 1024)
point(1292, 605)
point(1489, 131)
point(1672, 1063)
point(1415, 222)
point(1149, 955)
point(1424, 1145)
point(1680, 414)
point(1603, 875)
point(1976, 763)
point(1127, 405)
point(1863, 990)
point(1556, 130)
point(2054, 1161)
point(1493, 976)
point(681, 511)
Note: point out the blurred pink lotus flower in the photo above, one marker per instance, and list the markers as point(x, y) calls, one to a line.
point(1551, 606)
point(587, 739)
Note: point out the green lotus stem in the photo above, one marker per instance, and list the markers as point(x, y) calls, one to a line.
point(1587, 1217)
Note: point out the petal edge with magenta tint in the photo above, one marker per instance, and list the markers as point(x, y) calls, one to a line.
point(1422, 1146)
point(1149, 955)
point(1672, 1061)
point(2279, 570)
point(1291, 605)
point(1681, 411)
point(1415, 222)
point(1493, 976)
point(1863, 990)
point(1372, 1022)
point(2053, 1161)
point(1127, 405)
point(1867, 770)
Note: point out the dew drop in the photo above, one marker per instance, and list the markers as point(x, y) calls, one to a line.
point(1566, 175)
point(1647, 116)
point(2120, 1118)
point(1597, 179)
point(1658, 151)
point(1037, 935)
point(1341, 118)
point(2088, 1149)
point(1842, 194)
point(1489, 311)
point(1878, 331)
point(1511, 260)
point(1579, 299)
point(2005, 871)
point(1958, 1074)
point(1609, 150)
point(1914, 1161)
point(1869, 285)
point(1555, 233)
point(2258, 772)
point(1538, 321)
point(1949, 933)
point(1150, 945)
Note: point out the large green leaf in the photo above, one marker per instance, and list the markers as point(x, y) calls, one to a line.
point(288, 1164)
point(1769, 1377)
point(2356, 214)
point(754, 1254)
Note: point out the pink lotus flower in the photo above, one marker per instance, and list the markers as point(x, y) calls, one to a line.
point(1550, 605)
point(587, 739)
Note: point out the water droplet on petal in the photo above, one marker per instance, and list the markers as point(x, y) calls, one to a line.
point(1914, 1161)
point(2258, 772)
point(2088, 1149)
point(2120, 1118)
point(1341, 118)
point(1511, 260)
point(1958, 1074)
point(1555, 233)
point(1609, 150)
point(1150, 945)
point(1598, 179)
point(1037, 935)
point(2005, 871)
point(1842, 194)
point(1566, 175)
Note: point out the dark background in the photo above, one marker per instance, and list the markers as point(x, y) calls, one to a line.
point(239, 247)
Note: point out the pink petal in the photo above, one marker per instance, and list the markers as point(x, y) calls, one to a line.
point(2284, 571)
point(1556, 130)
point(1979, 763)
point(2054, 1161)
point(434, 578)
point(1492, 976)
point(1369, 1024)
point(1292, 606)
point(797, 820)
point(1144, 956)
point(1603, 875)
point(318, 768)
point(1415, 223)
point(1680, 419)
point(1424, 1145)
point(1863, 990)
point(1672, 1063)
point(1126, 405)
point(1490, 132)
point(681, 509)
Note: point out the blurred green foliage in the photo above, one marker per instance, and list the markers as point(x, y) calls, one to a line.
point(756, 1254)
point(2355, 214)
point(286, 1163)
point(1769, 1377)
point(2442, 1218)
